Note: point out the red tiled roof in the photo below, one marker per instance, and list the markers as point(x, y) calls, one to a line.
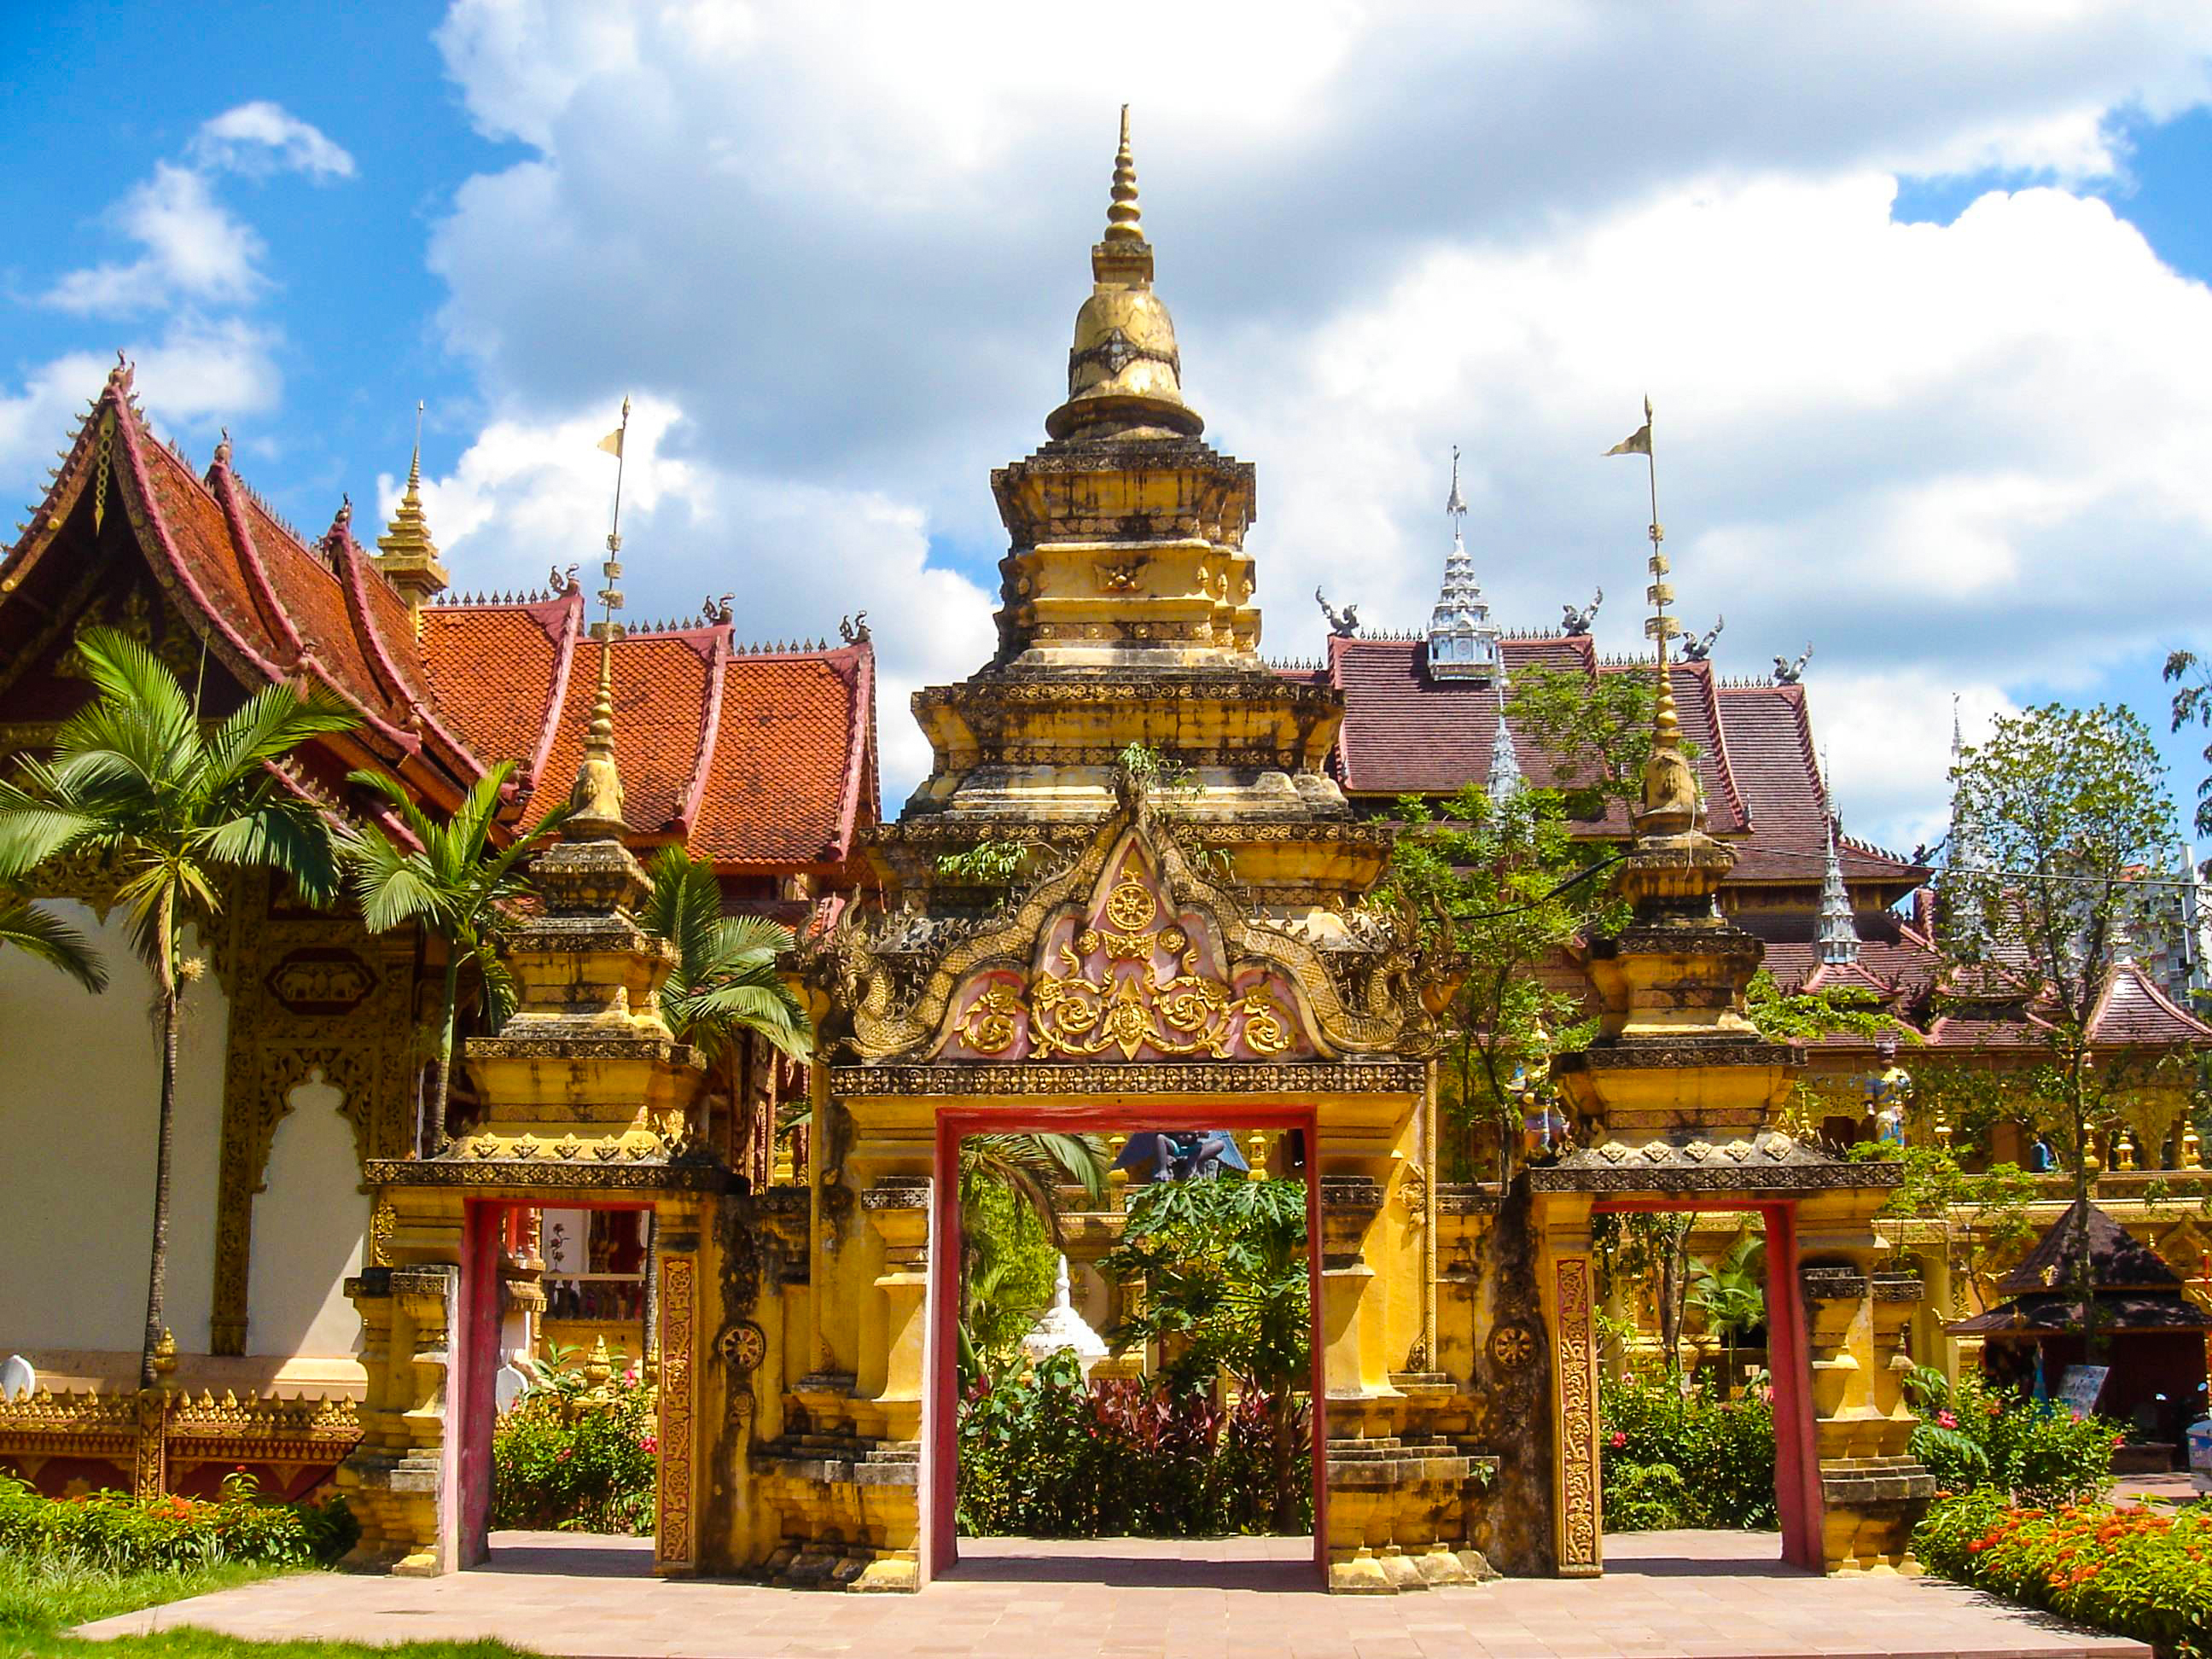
point(1407, 734)
point(765, 762)
point(501, 672)
point(793, 773)
point(1771, 753)
point(2134, 1012)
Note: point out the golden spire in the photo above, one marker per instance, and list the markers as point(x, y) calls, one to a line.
point(1670, 788)
point(1124, 372)
point(1124, 218)
point(405, 553)
point(597, 796)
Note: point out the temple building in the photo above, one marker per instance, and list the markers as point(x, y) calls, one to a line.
point(1183, 942)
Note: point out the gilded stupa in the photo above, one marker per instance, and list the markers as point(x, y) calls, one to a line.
point(1127, 618)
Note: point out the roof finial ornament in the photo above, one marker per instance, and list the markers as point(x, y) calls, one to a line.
point(405, 553)
point(1696, 647)
point(1454, 503)
point(1345, 623)
point(1462, 642)
point(597, 797)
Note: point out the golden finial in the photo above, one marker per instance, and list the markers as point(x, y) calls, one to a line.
point(405, 553)
point(597, 796)
point(1124, 218)
point(1670, 788)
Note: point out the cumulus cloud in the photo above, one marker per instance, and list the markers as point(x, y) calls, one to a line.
point(846, 241)
point(260, 138)
point(195, 250)
point(528, 497)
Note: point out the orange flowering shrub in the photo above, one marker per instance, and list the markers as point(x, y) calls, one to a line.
point(2128, 1569)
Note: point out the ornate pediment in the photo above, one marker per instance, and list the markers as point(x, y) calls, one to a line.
point(1131, 950)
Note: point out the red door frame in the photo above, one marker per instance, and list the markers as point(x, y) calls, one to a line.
point(940, 1398)
point(1789, 1363)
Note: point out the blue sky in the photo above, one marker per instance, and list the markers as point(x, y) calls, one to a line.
point(1920, 295)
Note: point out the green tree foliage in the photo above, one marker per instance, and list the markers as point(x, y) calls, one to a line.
point(2069, 813)
point(1001, 1174)
point(1980, 1217)
point(1503, 880)
point(1730, 1295)
point(727, 980)
point(1013, 1263)
point(456, 882)
point(1674, 1457)
point(2192, 706)
point(178, 811)
point(1225, 1291)
point(1596, 730)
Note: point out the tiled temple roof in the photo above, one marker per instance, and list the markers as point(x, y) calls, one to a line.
point(1405, 732)
point(762, 760)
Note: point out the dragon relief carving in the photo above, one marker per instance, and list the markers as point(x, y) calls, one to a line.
point(1274, 988)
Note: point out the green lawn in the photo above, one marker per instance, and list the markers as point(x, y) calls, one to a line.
point(41, 1600)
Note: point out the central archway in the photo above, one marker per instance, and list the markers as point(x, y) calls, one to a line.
point(941, 1451)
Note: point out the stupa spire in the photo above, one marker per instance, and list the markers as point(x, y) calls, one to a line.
point(1124, 371)
point(1462, 641)
point(1670, 804)
point(597, 796)
point(405, 553)
point(1504, 782)
point(1836, 933)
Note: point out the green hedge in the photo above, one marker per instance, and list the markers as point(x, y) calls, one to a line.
point(117, 1533)
point(1672, 1459)
point(1971, 1435)
point(2128, 1570)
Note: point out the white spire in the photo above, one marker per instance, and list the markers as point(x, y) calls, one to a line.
point(1837, 935)
point(1504, 782)
point(1462, 641)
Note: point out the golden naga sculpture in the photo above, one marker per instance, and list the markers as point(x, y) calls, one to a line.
point(1082, 965)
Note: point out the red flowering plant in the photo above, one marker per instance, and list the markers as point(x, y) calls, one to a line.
point(1971, 1435)
point(2131, 1570)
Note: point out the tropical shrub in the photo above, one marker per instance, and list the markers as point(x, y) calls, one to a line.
point(2128, 1570)
point(570, 1457)
point(1043, 1454)
point(1675, 1456)
point(114, 1531)
point(1973, 1436)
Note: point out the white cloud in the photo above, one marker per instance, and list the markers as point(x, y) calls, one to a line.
point(530, 496)
point(846, 241)
point(191, 377)
point(261, 137)
point(195, 251)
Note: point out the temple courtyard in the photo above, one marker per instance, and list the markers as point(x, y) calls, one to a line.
point(1718, 1596)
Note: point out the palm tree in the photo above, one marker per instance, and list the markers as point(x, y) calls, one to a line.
point(1031, 1167)
point(175, 809)
point(1732, 1297)
point(727, 982)
point(457, 883)
point(38, 932)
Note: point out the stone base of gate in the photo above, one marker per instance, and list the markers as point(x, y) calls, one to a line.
point(847, 1511)
point(1398, 1514)
point(1870, 1506)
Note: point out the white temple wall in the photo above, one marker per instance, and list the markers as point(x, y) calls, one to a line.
point(80, 1083)
point(309, 1222)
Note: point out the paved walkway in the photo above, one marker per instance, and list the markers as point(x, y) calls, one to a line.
point(1687, 1594)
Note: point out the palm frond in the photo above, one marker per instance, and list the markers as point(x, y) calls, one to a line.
point(37, 932)
point(283, 835)
point(275, 721)
point(128, 675)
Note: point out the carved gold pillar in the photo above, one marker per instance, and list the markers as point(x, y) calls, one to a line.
point(1568, 1283)
point(676, 1541)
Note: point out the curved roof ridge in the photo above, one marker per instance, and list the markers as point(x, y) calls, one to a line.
point(863, 704)
point(1702, 672)
point(710, 729)
point(556, 697)
point(223, 486)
